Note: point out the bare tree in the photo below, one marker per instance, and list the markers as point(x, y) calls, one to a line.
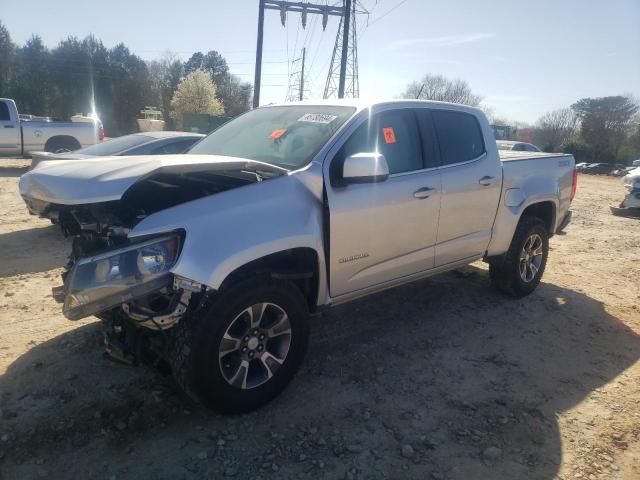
point(166, 74)
point(442, 89)
point(554, 128)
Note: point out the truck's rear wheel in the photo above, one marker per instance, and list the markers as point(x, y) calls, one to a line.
point(61, 145)
point(248, 346)
point(519, 273)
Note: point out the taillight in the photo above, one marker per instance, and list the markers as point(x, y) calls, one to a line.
point(575, 183)
point(101, 134)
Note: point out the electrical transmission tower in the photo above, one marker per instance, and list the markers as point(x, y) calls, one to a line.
point(342, 79)
point(296, 89)
point(284, 6)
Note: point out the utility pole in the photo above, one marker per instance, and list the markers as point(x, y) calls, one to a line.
point(295, 89)
point(258, 75)
point(304, 54)
point(345, 47)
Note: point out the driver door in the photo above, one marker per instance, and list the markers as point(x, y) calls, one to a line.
point(387, 230)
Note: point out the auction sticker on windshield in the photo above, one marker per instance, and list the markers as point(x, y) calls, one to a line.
point(317, 118)
point(277, 134)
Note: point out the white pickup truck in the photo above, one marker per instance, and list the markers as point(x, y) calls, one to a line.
point(213, 260)
point(20, 137)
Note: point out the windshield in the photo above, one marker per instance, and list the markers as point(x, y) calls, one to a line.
point(115, 146)
point(288, 136)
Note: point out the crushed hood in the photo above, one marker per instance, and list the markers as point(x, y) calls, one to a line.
point(104, 179)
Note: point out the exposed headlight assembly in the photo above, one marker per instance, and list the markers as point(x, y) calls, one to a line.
point(103, 281)
point(631, 182)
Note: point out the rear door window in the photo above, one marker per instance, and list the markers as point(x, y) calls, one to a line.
point(459, 136)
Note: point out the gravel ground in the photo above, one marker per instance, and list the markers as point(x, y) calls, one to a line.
point(441, 379)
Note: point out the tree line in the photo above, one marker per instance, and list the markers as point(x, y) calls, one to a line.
point(84, 76)
point(603, 129)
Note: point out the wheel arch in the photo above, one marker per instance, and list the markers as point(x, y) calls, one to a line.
point(508, 218)
point(545, 211)
point(66, 139)
point(300, 265)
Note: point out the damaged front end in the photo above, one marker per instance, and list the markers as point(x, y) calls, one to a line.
point(103, 281)
point(128, 282)
point(132, 290)
point(630, 206)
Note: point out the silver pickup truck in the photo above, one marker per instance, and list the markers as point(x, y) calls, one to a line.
point(215, 259)
point(20, 137)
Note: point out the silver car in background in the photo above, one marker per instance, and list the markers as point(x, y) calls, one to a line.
point(517, 146)
point(148, 143)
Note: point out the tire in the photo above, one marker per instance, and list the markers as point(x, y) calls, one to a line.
point(507, 275)
point(61, 145)
point(218, 379)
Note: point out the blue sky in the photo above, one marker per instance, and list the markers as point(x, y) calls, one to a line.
point(524, 58)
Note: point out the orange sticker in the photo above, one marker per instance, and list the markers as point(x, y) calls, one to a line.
point(389, 135)
point(279, 133)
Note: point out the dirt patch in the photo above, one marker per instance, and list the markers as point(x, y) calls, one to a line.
point(443, 378)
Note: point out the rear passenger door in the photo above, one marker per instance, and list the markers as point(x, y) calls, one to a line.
point(471, 182)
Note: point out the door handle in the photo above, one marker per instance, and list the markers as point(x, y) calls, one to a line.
point(8, 126)
point(486, 181)
point(422, 193)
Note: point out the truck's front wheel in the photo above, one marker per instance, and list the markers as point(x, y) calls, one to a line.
point(519, 273)
point(249, 345)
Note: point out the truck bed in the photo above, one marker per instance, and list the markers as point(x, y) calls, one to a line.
point(547, 172)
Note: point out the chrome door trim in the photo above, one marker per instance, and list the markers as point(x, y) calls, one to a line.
point(414, 172)
point(480, 157)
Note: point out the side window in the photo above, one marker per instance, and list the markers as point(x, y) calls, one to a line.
point(4, 112)
point(459, 136)
point(393, 133)
point(398, 140)
point(519, 147)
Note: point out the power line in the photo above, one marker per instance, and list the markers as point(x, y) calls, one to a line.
point(391, 10)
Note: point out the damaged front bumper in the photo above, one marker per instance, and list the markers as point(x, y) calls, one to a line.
point(630, 206)
point(103, 281)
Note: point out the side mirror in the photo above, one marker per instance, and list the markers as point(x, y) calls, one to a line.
point(365, 168)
